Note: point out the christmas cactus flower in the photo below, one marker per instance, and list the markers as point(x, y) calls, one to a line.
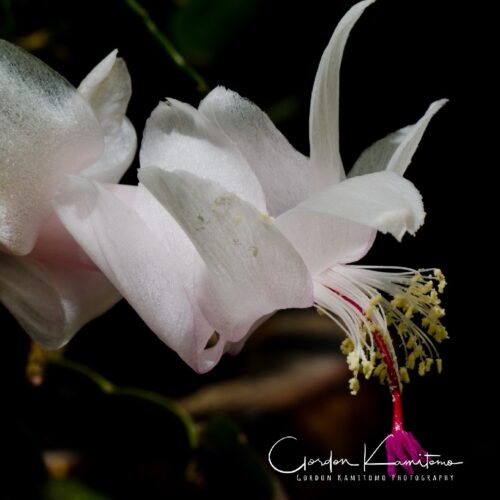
point(244, 225)
point(47, 130)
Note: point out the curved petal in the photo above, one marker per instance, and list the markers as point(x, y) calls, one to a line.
point(138, 264)
point(281, 170)
point(324, 113)
point(46, 129)
point(179, 136)
point(383, 201)
point(323, 240)
point(395, 151)
point(119, 152)
point(52, 302)
point(56, 246)
point(107, 88)
point(252, 269)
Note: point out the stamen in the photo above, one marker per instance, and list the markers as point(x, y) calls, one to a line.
point(401, 447)
point(359, 300)
point(390, 300)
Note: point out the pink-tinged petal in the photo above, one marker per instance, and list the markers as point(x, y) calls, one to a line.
point(395, 151)
point(107, 88)
point(171, 236)
point(383, 201)
point(324, 114)
point(52, 302)
point(282, 171)
point(252, 269)
point(134, 259)
point(178, 136)
point(56, 245)
point(47, 129)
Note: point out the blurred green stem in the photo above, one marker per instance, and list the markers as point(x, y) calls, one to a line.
point(7, 19)
point(167, 45)
point(134, 392)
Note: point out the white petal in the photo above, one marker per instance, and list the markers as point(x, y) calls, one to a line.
point(52, 302)
point(252, 269)
point(56, 247)
point(138, 264)
point(107, 88)
point(383, 201)
point(324, 114)
point(324, 240)
point(395, 151)
point(178, 136)
point(119, 152)
point(46, 130)
point(281, 170)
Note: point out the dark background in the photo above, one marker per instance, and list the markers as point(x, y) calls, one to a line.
point(400, 57)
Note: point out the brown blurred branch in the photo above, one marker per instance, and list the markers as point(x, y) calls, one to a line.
point(300, 379)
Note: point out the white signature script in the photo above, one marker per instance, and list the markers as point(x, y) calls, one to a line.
point(426, 460)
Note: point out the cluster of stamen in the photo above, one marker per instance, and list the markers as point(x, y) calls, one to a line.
point(369, 305)
point(405, 304)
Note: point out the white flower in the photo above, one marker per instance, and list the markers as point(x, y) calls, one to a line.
point(47, 130)
point(245, 225)
point(251, 226)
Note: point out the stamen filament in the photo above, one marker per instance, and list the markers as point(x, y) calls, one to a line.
point(394, 387)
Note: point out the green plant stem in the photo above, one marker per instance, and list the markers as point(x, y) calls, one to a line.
point(109, 387)
point(167, 45)
point(8, 21)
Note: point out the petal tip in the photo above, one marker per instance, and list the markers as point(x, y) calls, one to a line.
point(437, 105)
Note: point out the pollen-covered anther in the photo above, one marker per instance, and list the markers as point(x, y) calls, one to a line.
point(409, 312)
point(380, 371)
point(346, 346)
point(403, 373)
point(411, 359)
point(399, 302)
point(412, 341)
point(354, 385)
point(402, 328)
point(439, 365)
point(368, 365)
point(422, 368)
point(441, 280)
point(353, 361)
point(374, 302)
